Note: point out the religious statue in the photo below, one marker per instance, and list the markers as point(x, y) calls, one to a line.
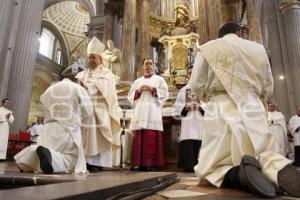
point(182, 24)
point(179, 45)
point(182, 15)
point(112, 58)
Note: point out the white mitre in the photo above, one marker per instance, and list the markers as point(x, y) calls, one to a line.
point(95, 46)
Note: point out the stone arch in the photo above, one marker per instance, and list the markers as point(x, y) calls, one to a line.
point(58, 34)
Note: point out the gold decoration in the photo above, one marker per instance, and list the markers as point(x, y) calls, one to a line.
point(179, 53)
point(81, 8)
point(176, 61)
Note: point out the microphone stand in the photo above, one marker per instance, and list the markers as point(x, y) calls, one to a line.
point(123, 125)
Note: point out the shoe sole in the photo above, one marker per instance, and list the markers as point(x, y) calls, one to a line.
point(45, 163)
point(261, 186)
point(292, 185)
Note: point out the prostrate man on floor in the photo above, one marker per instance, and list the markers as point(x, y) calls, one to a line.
point(233, 75)
point(59, 148)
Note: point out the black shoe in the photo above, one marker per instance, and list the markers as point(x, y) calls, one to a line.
point(289, 180)
point(134, 169)
point(146, 169)
point(151, 169)
point(21, 170)
point(142, 169)
point(253, 180)
point(93, 168)
point(45, 159)
point(188, 170)
point(232, 179)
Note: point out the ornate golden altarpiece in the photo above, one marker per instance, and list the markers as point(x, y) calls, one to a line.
point(178, 49)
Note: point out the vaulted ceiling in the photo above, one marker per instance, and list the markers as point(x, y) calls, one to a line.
point(70, 19)
point(69, 16)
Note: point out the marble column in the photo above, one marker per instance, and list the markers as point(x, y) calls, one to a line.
point(253, 21)
point(210, 19)
point(144, 48)
point(5, 9)
point(97, 22)
point(290, 10)
point(117, 36)
point(99, 7)
point(9, 20)
point(203, 26)
point(271, 20)
point(129, 41)
point(24, 55)
point(139, 24)
point(109, 23)
point(230, 10)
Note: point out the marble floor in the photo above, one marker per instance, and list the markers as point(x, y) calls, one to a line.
point(110, 184)
point(188, 183)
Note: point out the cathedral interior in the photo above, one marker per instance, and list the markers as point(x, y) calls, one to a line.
point(44, 41)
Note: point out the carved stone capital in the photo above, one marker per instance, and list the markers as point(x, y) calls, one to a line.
point(287, 5)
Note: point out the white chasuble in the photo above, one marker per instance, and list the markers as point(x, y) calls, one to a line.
point(103, 134)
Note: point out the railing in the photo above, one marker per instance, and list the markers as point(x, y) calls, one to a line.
point(17, 142)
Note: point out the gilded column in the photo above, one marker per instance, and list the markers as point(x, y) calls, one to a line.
point(253, 21)
point(290, 10)
point(128, 41)
point(24, 55)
